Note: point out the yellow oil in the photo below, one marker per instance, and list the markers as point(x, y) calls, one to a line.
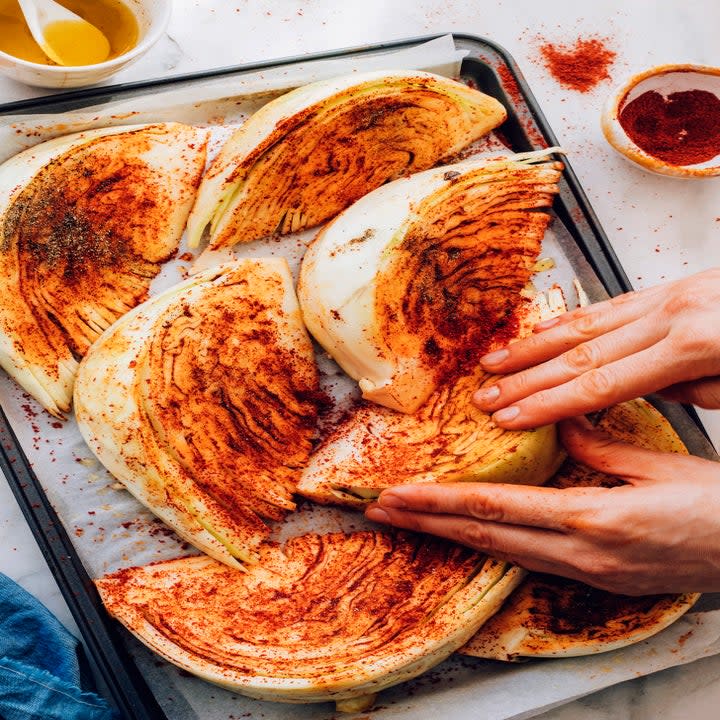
point(75, 42)
point(112, 17)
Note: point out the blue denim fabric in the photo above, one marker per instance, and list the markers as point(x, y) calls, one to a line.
point(42, 675)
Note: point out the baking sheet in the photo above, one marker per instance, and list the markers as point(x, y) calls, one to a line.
point(111, 530)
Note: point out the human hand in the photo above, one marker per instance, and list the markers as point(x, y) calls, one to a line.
point(664, 338)
point(658, 533)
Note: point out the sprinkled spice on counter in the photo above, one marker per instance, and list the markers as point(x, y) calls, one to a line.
point(682, 128)
point(581, 66)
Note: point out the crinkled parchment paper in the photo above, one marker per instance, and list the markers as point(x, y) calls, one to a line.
point(110, 529)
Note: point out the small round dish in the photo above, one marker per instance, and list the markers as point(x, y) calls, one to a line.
point(665, 80)
point(152, 17)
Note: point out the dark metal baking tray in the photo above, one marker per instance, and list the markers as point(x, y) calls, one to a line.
point(490, 68)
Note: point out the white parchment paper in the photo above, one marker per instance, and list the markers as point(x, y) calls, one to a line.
point(216, 101)
point(111, 529)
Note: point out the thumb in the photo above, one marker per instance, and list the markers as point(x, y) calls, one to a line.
point(600, 451)
point(704, 393)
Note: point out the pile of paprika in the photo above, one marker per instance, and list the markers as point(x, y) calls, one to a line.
point(581, 66)
point(682, 128)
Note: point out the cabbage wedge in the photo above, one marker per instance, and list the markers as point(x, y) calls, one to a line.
point(448, 439)
point(412, 283)
point(86, 221)
point(202, 402)
point(325, 617)
point(549, 616)
point(310, 153)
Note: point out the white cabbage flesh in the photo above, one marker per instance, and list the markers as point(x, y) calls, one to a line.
point(552, 617)
point(86, 220)
point(416, 279)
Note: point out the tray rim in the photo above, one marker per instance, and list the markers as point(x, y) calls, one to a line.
point(90, 93)
point(115, 665)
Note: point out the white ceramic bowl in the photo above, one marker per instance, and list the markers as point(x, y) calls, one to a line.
point(152, 17)
point(664, 79)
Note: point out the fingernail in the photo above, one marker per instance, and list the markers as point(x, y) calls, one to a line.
point(486, 395)
point(378, 515)
point(495, 358)
point(545, 324)
point(506, 414)
point(391, 501)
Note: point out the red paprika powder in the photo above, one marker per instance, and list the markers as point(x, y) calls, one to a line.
point(580, 67)
point(681, 129)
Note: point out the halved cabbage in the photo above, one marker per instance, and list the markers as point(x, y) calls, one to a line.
point(550, 616)
point(411, 284)
point(203, 402)
point(86, 221)
point(448, 439)
point(310, 153)
point(325, 617)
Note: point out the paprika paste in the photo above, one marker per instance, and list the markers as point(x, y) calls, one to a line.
point(580, 67)
point(681, 129)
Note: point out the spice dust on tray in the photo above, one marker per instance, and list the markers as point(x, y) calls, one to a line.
point(580, 66)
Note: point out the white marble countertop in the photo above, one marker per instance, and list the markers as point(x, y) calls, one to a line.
point(659, 227)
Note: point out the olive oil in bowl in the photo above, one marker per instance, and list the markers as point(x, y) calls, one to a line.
point(112, 17)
